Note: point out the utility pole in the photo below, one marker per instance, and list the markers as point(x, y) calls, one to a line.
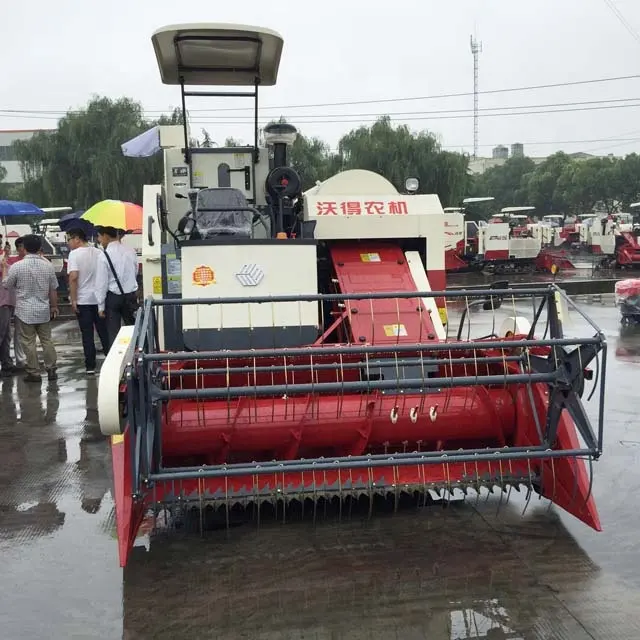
point(476, 50)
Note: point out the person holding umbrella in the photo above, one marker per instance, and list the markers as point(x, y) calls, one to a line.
point(116, 278)
point(116, 282)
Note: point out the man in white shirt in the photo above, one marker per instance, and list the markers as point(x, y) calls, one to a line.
point(82, 267)
point(116, 282)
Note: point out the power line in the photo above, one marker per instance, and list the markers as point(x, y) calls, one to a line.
point(625, 23)
point(538, 143)
point(557, 107)
point(423, 118)
point(372, 101)
point(534, 143)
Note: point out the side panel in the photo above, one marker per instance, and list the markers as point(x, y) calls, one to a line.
point(151, 247)
point(496, 238)
point(454, 229)
point(170, 316)
point(524, 248)
point(247, 269)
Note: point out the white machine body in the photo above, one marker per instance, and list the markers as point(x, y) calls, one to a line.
point(359, 204)
point(495, 242)
point(249, 270)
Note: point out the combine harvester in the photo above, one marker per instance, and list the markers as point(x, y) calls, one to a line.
point(296, 347)
point(614, 239)
point(509, 243)
point(461, 238)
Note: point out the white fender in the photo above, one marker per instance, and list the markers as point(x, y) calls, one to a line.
point(514, 325)
point(111, 372)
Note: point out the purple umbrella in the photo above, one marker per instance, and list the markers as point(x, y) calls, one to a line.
point(74, 221)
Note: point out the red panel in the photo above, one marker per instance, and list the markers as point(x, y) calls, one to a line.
point(453, 262)
point(546, 259)
point(379, 268)
point(128, 513)
point(498, 254)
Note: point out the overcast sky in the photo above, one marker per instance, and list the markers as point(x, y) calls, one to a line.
point(56, 54)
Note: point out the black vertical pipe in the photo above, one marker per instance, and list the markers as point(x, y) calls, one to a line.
point(279, 155)
point(187, 152)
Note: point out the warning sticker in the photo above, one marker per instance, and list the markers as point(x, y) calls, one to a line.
point(203, 276)
point(370, 257)
point(395, 330)
point(157, 285)
point(117, 439)
point(443, 315)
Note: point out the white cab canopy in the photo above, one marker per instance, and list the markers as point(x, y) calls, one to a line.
point(516, 209)
point(480, 199)
point(217, 54)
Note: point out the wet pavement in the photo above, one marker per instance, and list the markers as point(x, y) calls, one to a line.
point(472, 570)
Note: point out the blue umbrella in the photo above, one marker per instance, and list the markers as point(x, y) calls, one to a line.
point(12, 208)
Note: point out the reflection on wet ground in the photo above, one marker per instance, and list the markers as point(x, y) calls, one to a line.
point(56, 550)
point(585, 269)
point(471, 570)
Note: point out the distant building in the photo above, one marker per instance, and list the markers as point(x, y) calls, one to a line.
point(8, 155)
point(517, 150)
point(500, 152)
point(480, 165)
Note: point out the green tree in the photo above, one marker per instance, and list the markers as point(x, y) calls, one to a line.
point(207, 142)
point(541, 185)
point(397, 153)
point(3, 188)
point(578, 187)
point(506, 183)
point(81, 162)
point(310, 158)
point(628, 170)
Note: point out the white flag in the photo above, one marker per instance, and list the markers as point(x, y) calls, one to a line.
point(144, 145)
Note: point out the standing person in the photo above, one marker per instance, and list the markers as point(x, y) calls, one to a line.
point(7, 304)
point(116, 282)
point(82, 267)
point(35, 283)
point(18, 351)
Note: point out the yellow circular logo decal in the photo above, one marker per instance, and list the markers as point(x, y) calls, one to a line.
point(203, 276)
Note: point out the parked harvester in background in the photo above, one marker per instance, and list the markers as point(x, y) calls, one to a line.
point(614, 238)
point(461, 237)
point(297, 349)
point(506, 244)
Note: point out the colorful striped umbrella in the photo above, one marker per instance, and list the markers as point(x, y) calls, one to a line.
point(115, 213)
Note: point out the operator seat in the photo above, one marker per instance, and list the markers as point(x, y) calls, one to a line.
point(233, 221)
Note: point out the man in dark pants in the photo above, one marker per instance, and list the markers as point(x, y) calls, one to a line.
point(116, 283)
point(82, 267)
point(7, 304)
